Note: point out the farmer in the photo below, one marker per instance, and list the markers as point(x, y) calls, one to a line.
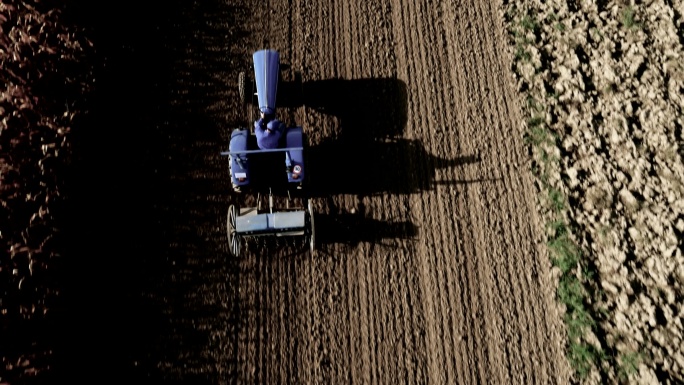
point(268, 131)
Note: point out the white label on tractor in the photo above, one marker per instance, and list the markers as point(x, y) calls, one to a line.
point(297, 169)
point(241, 175)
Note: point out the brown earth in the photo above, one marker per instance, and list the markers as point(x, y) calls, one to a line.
point(430, 267)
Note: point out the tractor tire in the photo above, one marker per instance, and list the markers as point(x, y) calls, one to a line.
point(242, 87)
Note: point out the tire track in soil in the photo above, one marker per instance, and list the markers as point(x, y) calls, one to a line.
point(428, 113)
point(414, 324)
point(267, 283)
point(523, 310)
point(476, 267)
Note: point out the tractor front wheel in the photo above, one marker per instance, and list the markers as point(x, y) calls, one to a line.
point(242, 87)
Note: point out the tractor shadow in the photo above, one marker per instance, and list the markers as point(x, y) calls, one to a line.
point(373, 167)
point(368, 109)
point(367, 153)
point(354, 228)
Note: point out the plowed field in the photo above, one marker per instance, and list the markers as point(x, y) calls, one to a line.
point(429, 267)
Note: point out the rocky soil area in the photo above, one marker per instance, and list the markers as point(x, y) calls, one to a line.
point(604, 82)
point(45, 77)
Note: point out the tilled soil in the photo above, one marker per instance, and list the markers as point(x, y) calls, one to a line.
point(429, 266)
point(604, 79)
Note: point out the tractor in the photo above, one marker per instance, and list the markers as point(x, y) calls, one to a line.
point(258, 169)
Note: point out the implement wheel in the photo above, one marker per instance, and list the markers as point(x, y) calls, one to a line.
point(312, 229)
point(234, 239)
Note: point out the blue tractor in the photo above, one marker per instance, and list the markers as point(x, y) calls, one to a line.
point(256, 158)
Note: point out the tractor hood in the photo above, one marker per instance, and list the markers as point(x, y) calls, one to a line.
point(266, 74)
